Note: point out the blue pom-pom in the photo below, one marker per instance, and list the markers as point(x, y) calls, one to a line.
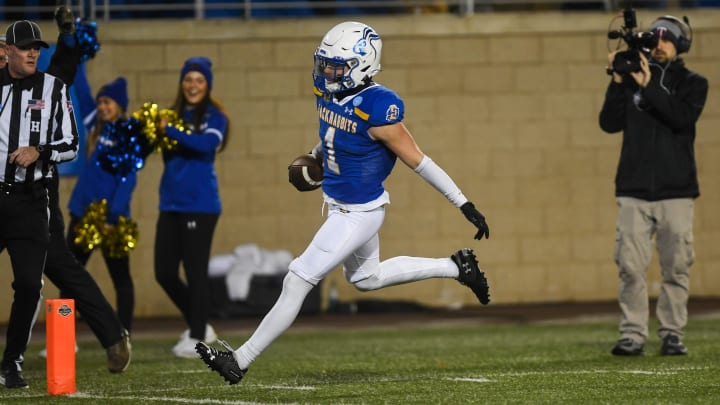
point(86, 33)
point(125, 153)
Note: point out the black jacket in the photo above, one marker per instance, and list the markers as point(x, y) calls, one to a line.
point(657, 160)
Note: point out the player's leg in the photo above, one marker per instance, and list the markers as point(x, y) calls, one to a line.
point(277, 320)
point(341, 234)
point(364, 270)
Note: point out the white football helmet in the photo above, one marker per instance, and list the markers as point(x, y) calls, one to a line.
point(348, 55)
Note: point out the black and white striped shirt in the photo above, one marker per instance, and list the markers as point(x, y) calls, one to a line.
point(35, 111)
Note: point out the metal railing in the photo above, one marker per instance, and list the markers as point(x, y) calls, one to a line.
point(202, 9)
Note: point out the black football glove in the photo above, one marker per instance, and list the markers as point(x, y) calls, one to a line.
point(477, 219)
point(64, 19)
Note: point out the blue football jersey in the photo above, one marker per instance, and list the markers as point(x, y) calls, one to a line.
point(355, 165)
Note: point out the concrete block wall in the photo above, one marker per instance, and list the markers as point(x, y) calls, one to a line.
point(507, 103)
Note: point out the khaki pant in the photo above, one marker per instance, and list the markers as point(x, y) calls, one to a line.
point(670, 224)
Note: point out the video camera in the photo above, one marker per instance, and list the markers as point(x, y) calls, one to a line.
point(629, 60)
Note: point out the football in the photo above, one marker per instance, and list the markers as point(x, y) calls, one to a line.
point(305, 173)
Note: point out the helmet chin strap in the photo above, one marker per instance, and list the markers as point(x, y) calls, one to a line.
point(349, 92)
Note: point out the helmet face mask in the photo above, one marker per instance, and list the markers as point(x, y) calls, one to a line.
point(334, 72)
point(347, 57)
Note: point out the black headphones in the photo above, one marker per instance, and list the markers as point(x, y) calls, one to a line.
point(684, 41)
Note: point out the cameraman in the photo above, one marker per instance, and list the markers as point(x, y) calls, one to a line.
point(656, 107)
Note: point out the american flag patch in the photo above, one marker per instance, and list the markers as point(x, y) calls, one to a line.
point(36, 104)
point(69, 106)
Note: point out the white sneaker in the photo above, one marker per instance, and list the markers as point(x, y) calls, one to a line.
point(210, 335)
point(43, 352)
point(186, 348)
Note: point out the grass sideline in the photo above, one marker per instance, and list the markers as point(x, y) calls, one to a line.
point(556, 362)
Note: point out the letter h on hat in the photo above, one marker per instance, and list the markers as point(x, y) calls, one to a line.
point(24, 33)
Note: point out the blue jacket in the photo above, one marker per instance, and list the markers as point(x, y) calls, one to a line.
point(189, 183)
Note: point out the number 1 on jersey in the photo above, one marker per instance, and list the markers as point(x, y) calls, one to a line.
point(329, 140)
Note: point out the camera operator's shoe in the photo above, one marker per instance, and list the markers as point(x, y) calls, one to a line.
point(65, 20)
point(11, 377)
point(672, 346)
point(119, 354)
point(223, 362)
point(627, 347)
point(471, 275)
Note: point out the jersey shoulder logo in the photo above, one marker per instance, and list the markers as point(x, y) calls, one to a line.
point(392, 113)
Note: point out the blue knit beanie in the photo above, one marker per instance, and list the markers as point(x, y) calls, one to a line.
point(116, 90)
point(198, 64)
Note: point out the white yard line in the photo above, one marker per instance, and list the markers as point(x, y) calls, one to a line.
point(469, 379)
point(145, 399)
point(668, 371)
point(141, 399)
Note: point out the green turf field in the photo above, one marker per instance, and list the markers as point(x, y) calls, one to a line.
point(552, 363)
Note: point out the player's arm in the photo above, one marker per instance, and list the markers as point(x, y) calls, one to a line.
point(399, 140)
point(317, 151)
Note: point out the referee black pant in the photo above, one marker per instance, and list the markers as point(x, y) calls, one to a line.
point(24, 233)
point(75, 282)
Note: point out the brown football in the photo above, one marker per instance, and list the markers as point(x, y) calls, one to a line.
point(305, 173)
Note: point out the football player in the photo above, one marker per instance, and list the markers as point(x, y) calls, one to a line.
point(361, 136)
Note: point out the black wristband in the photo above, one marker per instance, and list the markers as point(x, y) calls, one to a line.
point(44, 152)
point(609, 71)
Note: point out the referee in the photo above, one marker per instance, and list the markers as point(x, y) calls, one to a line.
point(37, 128)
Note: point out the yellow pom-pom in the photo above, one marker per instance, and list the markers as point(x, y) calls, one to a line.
point(150, 117)
point(121, 239)
point(89, 230)
point(173, 120)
